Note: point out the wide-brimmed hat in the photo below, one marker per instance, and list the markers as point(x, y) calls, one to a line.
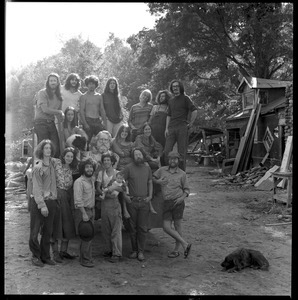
point(86, 230)
point(173, 154)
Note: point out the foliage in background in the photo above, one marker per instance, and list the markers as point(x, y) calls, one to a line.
point(209, 46)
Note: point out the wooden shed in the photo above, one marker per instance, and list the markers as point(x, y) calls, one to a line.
point(270, 126)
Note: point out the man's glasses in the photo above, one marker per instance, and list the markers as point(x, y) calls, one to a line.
point(175, 85)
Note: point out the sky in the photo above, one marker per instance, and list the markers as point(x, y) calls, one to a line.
point(34, 30)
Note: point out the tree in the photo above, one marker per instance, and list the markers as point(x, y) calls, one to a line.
point(254, 38)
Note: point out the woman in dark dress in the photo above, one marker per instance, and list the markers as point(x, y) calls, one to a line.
point(158, 118)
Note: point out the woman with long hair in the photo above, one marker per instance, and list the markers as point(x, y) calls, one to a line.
point(158, 119)
point(70, 124)
point(112, 105)
point(153, 150)
point(122, 145)
point(64, 169)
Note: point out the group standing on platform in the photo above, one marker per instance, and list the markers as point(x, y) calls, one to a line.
point(90, 164)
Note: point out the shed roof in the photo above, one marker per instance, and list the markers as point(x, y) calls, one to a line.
point(261, 83)
point(278, 103)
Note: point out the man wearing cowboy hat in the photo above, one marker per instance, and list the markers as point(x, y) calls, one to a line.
point(175, 189)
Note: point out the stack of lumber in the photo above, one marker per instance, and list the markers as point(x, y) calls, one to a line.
point(14, 178)
point(243, 155)
point(245, 178)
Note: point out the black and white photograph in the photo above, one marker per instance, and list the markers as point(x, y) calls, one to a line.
point(148, 148)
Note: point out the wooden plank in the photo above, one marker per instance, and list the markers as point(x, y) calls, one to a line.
point(250, 140)
point(286, 159)
point(267, 175)
point(266, 185)
point(238, 155)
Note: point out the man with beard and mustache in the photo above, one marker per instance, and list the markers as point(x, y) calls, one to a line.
point(84, 200)
point(49, 105)
point(92, 112)
point(175, 189)
point(181, 116)
point(139, 179)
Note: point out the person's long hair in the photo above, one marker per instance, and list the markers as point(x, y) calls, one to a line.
point(49, 90)
point(120, 130)
point(151, 138)
point(74, 162)
point(69, 78)
point(74, 121)
point(116, 92)
point(168, 96)
point(39, 148)
point(182, 92)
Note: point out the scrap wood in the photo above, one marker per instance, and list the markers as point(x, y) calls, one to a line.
point(267, 175)
point(286, 159)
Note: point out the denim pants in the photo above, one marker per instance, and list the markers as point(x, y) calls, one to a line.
point(112, 128)
point(37, 220)
point(95, 126)
point(111, 225)
point(177, 134)
point(138, 223)
point(85, 247)
point(46, 129)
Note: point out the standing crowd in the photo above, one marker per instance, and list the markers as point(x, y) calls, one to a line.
point(90, 164)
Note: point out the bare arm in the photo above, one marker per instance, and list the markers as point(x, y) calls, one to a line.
point(102, 111)
point(193, 117)
point(83, 111)
point(167, 125)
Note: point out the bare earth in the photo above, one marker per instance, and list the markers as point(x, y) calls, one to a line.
point(217, 220)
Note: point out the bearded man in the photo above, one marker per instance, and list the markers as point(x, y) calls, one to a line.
point(84, 200)
point(175, 189)
point(139, 179)
point(49, 105)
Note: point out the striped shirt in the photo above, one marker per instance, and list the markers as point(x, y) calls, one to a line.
point(139, 115)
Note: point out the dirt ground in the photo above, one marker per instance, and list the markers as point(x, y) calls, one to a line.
point(217, 220)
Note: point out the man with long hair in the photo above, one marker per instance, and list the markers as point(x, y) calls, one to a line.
point(92, 112)
point(177, 124)
point(49, 105)
point(112, 105)
point(70, 91)
point(44, 206)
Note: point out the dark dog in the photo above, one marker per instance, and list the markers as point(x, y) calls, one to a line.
point(242, 258)
point(77, 141)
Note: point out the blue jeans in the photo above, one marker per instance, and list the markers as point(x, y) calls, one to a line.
point(46, 129)
point(37, 221)
point(177, 134)
point(96, 125)
point(111, 225)
point(138, 223)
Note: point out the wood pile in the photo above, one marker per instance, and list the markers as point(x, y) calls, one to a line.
point(245, 178)
point(14, 178)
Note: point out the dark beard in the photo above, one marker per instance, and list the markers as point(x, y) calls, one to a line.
point(87, 175)
point(139, 161)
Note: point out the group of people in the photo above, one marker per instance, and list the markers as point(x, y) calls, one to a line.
point(94, 159)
